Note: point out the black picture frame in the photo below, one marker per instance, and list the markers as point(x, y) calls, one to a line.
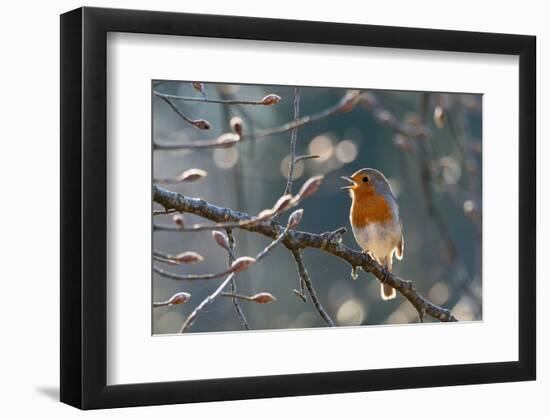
point(84, 207)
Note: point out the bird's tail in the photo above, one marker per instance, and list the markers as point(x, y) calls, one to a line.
point(387, 292)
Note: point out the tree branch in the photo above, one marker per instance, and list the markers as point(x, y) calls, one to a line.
point(293, 160)
point(294, 240)
point(179, 277)
point(261, 217)
point(268, 100)
point(304, 277)
point(198, 123)
point(293, 140)
point(260, 298)
point(230, 259)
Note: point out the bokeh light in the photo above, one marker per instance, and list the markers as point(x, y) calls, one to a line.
point(450, 170)
point(468, 206)
point(225, 158)
point(303, 320)
point(351, 313)
point(298, 168)
point(397, 317)
point(321, 145)
point(439, 293)
point(346, 151)
point(395, 186)
point(340, 291)
point(228, 89)
point(464, 309)
point(168, 320)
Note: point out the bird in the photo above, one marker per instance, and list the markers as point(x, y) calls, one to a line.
point(375, 221)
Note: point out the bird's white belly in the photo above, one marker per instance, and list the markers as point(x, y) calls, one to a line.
point(380, 241)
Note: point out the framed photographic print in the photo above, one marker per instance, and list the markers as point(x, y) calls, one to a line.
point(258, 208)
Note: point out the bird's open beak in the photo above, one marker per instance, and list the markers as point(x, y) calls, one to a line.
point(348, 179)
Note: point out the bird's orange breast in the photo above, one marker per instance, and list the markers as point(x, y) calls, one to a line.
point(369, 207)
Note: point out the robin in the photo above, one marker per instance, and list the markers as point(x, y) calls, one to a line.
point(374, 218)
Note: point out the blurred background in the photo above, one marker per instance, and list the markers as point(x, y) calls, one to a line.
point(428, 144)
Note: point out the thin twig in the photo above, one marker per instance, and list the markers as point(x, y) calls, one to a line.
point(226, 140)
point(251, 298)
point(178, 298)
point(293, 160)
point(190, 175)
point(306, 279)
point(199, 123)
point(187, 257)
point(165, 260)
point(193, 316)
point(199, 86)
point(305, 157)
point(161, 304)
point(421, 314)
point(293, 140)
point(387, 119)
point(236, 296)
point(343, 106)
point(209, 100)
point(230, 260)
point(180, 277)
point(274, 243)
point(426, 178)
point(208, 226)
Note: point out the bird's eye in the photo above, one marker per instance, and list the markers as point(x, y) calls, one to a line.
point(365, 179)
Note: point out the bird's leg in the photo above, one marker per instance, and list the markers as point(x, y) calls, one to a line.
point(385, 273)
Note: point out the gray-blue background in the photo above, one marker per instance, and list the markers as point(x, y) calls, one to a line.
point(252, 175)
